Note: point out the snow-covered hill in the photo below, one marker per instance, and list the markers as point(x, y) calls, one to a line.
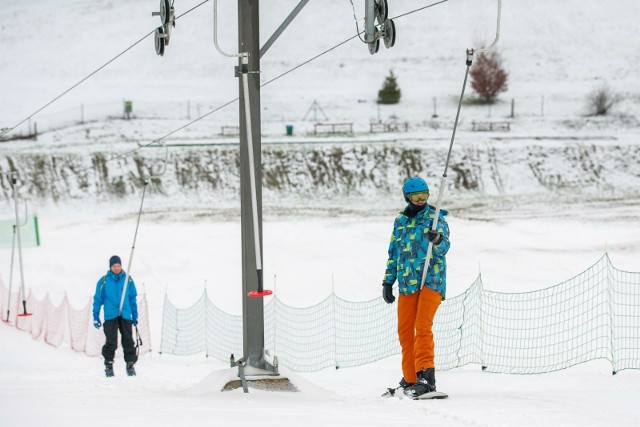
point(572, 170)
point(557, 50)
point(553, 52)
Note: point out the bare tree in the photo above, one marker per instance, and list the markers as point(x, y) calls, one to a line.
point(601, 100)
point(488, 78)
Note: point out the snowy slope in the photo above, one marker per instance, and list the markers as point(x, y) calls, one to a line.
point(561, 50)
point(556, 53)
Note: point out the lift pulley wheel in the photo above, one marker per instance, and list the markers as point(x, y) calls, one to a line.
point(159, 40)
point(165, 12)
point(374, 47)
point(382, 10)
point(389, 33)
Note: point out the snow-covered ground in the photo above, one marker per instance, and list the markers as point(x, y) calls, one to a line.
point(307, 256)
point(556, 53)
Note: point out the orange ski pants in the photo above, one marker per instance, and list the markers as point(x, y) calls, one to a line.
point(415, 320)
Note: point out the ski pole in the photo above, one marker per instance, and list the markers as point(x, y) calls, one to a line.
point(138, 341)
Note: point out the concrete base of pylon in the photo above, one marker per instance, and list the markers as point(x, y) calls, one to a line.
point(267, 383)
point(228, 381)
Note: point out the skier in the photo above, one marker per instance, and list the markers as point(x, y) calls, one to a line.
point(417, 306)
point(109, 293)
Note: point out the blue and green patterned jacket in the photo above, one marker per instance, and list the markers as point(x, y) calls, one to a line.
point(408, 250)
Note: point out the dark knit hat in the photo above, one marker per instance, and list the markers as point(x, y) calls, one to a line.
point(114, 260)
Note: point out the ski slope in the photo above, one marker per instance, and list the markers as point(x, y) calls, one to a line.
point(557, 50)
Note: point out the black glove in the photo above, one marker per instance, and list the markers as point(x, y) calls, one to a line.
point(434, 237)
point(387, 293)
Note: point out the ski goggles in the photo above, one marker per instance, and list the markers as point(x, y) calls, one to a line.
point(420, 196)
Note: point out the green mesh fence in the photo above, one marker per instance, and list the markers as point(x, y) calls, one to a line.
point(625, 319)
point(594, 315)
point(29, 232)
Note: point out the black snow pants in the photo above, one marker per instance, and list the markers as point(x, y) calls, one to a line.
point(111, 328)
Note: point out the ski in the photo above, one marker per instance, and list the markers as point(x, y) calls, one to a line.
point(399, 392)
point(430, 395)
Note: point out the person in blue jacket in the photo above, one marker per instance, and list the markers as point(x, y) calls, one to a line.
point(417, 305)
point(109, 291)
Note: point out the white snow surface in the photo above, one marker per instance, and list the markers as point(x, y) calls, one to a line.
point(559, 50)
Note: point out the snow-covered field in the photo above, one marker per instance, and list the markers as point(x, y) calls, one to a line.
point(555, 51)
point(308, 256)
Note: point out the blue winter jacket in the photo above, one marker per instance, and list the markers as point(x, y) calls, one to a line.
point(408, 250)
point(109, 294)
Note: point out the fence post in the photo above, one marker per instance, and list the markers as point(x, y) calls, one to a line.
point(482, 325)
point(611, 314)
point(275, 326)
point(35, 223)
point(335, 322)
point(206, 321)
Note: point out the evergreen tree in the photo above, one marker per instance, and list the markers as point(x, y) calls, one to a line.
point(390, 92)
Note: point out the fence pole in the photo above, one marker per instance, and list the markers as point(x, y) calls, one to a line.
point(335, 323)
point(611, 302)
point(482, 323)
point(206, 321)
point(35, 223)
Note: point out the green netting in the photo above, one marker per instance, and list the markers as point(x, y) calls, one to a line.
point(594, 315)
point(29, 233)
point(625, 319)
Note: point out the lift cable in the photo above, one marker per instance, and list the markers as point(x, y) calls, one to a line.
point(226, 104)
point(7, 130)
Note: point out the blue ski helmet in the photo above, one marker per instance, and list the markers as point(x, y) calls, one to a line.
point(413, 185)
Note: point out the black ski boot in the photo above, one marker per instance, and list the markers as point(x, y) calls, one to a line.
point(426, 383)
point(108, 368)
point(404, 385)
point(131, 370)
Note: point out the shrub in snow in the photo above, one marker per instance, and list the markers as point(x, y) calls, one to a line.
point(601, 100)
point(488, 78)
